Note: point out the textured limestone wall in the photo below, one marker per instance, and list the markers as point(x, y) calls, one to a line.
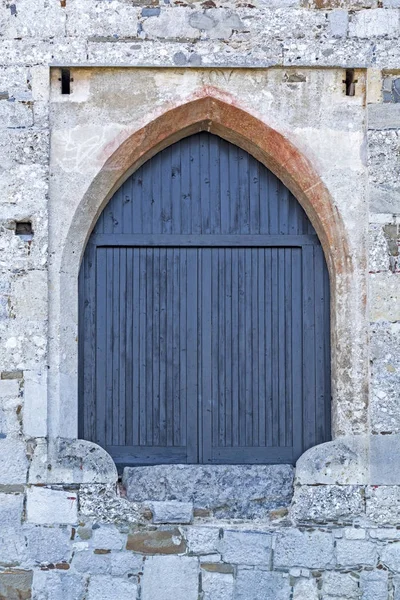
point(65, 530)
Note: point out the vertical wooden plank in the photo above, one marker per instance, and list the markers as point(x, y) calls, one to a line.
point(148, 355)
point(192, 356)
point(101, 346)
point(308, 347)
point(244, 194)
point(327, 353)
point(269, 347)
point(221, 334)
point(175, 326)
point(109, 365)
point(183, 345)
point(166, 203)
point(163, 347)
point(215, 363)
point(195, 184)
point(224, 186)
point(113, 403)
point(229, 346)
point(249, 362)
point(123, 350)
point(254, 374)
point(156, 177)
point(142, 348)
point(176, 188)
point(297, 351)
point(254, 192)
point(130, 363)
point(186, 192)
point(136, 348)
point(235, 354)
point(241, 363)
point(319, 344)
point(206, 353)
point(288, 371)
point(281, 391)
point(155, 365)
point(204, 169)
point(169, 349)
point(214, 186)
point(262, 348)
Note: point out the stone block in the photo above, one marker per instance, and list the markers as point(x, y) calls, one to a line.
point(385, 468)
point(383, 504)
point(384, 175)
point(327, 503)
point(179, 576)
point(15, 114)
point(11, 508)
point(246, 547)
point(103, 587)
point(374, 23)
point(16, 584)
point(160, 541)
point(385, 533)
point(172, 512)
point(124, 564)
point(384, 297)
point(13, 461)
point(243, 491)
point(107, 537)
point(58, 585)
point(48, 544)
point(35, 404)
point(47, 506)
point(255, 584)
point(305, 589)
point(378, 249)
point(384, 116)
point(313, 550)
point(374, 585)
point(217, 586)
point(344, 461)
point(385, 382)
point(342, 585)
point(12, 545)
point(338, 23)
point(9, 387)
point(390, 556)
point(353, 553)
point(103, 503)
point(88, 561)
point(102, 20)
point(202, 540)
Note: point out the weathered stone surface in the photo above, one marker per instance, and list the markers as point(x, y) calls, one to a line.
point(305, 589)
point(370, 24)
point(16, 585)
point(374, 585)
point(351, 553)
point(87, 561)
point(385, 382)
point(172, 512)
point(256, 584)
point(47, 506)
point(384, 297)
point(343, 461)
point(107, 537)
point(390, 556)
point(383, 504)
point(246, 547)
point(14, 463)
point(313, 550)
point(383, 116)
point(124, 564)
point(229, 490)
point(343, 585)
point(326, 503)
point(58, 585)
point(385, 468)
point(48, 544)
point(217, 586)
point(202, 540)
point(104, 503)
point(159, 541)
point(102, 587)
point(179, 577)
point(11, 507)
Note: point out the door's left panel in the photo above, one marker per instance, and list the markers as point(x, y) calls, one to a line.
point(138, 358)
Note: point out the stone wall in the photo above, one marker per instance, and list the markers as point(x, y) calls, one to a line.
point(66, 529)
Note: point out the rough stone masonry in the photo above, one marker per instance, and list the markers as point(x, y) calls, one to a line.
point(325, 75)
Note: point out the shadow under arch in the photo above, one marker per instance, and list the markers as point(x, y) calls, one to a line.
point(277, 153)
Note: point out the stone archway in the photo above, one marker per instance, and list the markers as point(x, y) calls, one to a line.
point(208, 112)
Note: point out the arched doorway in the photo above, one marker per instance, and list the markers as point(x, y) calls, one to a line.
point(204, 315)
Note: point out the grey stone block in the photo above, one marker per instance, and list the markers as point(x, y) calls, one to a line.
point(217, 586)
point(11, 507)
point(374, 585)
point(56, 585)
point(390, 556)
point(383, 504)
point(256, 585)
point(16, 585)
point(103, 587)
point(243, 491)
point(343, 461)
point(326, 503)
point(305, 589)
point(202, 540)
point(87, 561)
point(384, 457)
point(352, 553)
point(172, 512)
point(384, 116)
point(48, 544)
point(246, 547)
point(125, 563)
point(343, 585)
point(313, 550)
point(338, 23)
point(107, 537)
point(170, 578)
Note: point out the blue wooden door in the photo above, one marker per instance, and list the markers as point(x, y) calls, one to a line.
point(204, 315)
